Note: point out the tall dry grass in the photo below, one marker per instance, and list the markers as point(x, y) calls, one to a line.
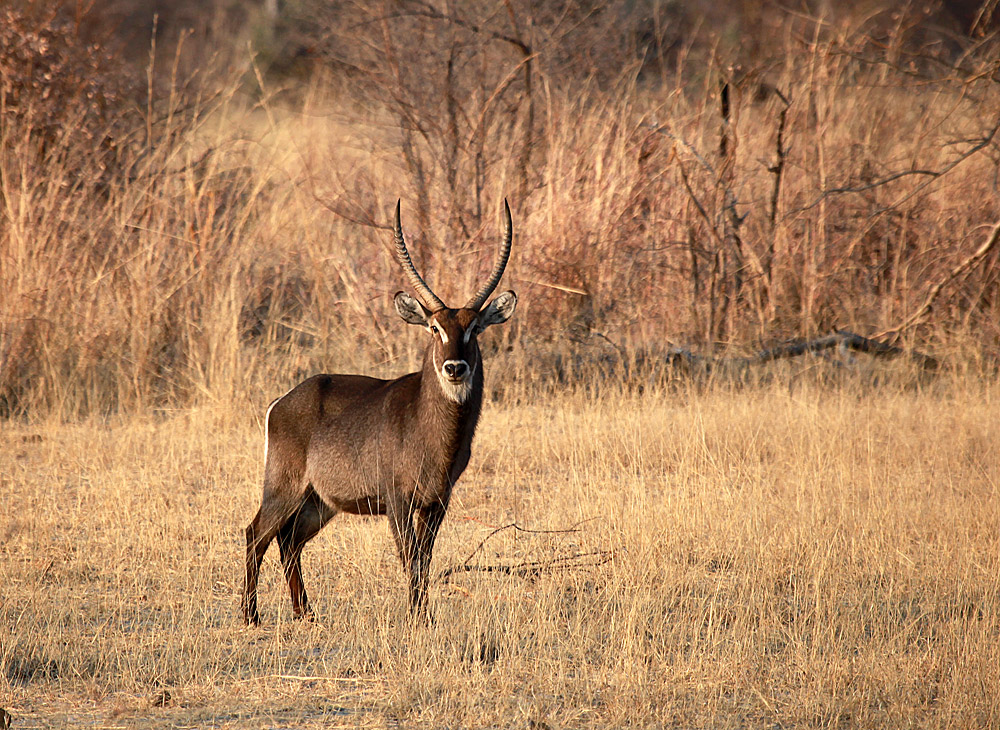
point(796, 556)
point(233, 239)
point(808, 551)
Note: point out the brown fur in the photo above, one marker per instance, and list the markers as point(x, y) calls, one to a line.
point(350, 443)
point(361, 445)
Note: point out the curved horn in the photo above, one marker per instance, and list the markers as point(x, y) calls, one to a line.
point(429, 298)
point(501, 263)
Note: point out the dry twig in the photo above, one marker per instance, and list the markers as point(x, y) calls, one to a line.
point(967, 263)
point(532, 567)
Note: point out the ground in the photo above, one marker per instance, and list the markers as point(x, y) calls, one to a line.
point(787, 555)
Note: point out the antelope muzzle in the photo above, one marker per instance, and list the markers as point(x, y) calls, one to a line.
point(456, 370)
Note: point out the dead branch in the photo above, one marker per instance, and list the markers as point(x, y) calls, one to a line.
point(967, 263)
point(840, 339)
point(697, 203)
point(931, 175)
point(665, 131)
point(778, 168)
point(530, 567)
point(843, 340)
point(426, 10)
point(732, 220)
point(514, 526)
point(350, 210)
point(533, 568)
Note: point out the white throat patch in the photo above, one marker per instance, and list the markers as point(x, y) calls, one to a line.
point(460, 391)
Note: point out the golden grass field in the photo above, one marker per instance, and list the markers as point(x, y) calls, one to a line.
point(186, 234)
point(785, 555)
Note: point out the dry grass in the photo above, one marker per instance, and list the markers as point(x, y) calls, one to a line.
point(804, 557)
point(792, 554)
point(221, 235)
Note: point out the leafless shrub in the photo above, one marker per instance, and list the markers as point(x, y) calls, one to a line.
point(60, 89)
point(668, 186)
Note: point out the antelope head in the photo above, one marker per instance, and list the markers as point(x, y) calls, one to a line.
point(454, 348)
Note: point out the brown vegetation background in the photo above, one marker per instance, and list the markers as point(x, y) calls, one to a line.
point(185, 213)
point(193, 220)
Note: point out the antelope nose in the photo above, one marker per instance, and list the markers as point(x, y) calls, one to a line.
point(455, 368)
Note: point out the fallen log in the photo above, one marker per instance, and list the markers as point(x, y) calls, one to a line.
point(840, 340)
point(843, 340)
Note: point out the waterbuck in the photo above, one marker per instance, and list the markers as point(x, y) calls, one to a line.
point(350, 443)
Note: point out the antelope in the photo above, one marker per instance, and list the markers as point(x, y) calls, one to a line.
point(365, 446)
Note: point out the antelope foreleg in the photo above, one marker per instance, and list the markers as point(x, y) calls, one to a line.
point(427, 523)
point(400, 513)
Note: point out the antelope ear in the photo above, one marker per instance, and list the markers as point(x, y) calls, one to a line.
point(412, 311)
point(498, 311)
